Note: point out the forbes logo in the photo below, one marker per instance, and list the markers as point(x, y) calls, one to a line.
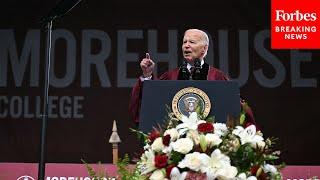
point(25, 177)
point(281, 15)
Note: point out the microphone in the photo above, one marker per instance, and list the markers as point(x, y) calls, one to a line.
point(185, 75)
point(62, 8)
point(196, 75)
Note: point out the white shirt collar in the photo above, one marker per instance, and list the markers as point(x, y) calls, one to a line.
point(189, 65)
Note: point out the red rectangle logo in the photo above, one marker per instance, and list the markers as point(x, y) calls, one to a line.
point(295, 24)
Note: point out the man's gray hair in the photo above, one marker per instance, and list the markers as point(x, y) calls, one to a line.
point(205, 37)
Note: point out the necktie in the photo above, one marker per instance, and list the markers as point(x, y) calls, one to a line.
point(191, 71)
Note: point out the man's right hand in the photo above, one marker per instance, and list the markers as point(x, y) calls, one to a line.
point(147, 66)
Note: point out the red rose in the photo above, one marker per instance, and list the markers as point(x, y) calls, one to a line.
point(168, 169)
point(154, 135)
point(161, 161)
point(205, 127)
point(254, 170)
point(166, 140)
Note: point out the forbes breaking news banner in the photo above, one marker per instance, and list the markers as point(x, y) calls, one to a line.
point(295, 24)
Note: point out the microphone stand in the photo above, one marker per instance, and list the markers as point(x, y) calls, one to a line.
point(41, 170)
point(61, 9)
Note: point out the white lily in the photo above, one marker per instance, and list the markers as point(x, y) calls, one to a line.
point(212, 140)
point(147, 162)
point(249, 135)
point(189, 123)
point(176, 175)
point(243, 176)
point(158, 175)
point(270, 168)
point(218, 166)
point(194, 135)
point(146, 147)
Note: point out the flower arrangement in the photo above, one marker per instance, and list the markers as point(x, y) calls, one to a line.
point(194, 148)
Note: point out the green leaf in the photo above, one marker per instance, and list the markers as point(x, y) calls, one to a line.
point(92, 173)
point(270, 157)
point(126, 172)
point(176, 157)
point(198, 110)
point(244, 158)
point(242, 118)
point(140, 135)
point(211, 119)
point(203, 143)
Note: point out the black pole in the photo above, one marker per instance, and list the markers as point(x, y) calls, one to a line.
point(58, 11)
point(42, 163)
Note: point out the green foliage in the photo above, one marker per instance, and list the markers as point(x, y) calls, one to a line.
point(92, 173)
point(126, 172)
point(242, 117)
point(244, 158)
point(122, 165)
point(270, 157)
point(244, 108)
point(170, 121)
point(211, 119)
point(203, 143)
point(176, 157)
point(140, 135)
point(199, 108)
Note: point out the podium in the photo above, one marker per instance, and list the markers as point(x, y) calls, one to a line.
point(157, 94)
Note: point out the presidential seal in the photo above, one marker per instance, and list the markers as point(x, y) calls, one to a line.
point(189, 100)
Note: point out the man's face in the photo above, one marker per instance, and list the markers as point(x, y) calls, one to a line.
point(193, 46)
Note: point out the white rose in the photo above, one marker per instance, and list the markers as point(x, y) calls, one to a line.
point(157, 145)
point(220, 129)
point(157, 175)
point(213, 140)
point(174, 135)
point(227, 172)
point(183, 145)
point(193, 161)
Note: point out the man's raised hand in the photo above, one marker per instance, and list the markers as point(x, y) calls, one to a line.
point(147, 66)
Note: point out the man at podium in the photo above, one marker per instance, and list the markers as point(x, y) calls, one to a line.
point(194, 49)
